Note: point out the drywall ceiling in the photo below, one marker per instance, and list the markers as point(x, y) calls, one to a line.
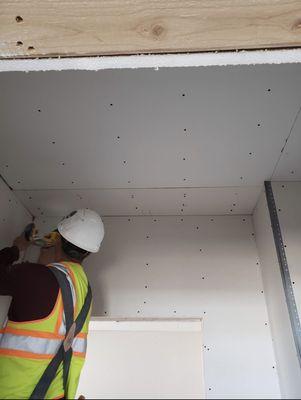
point(215, 127)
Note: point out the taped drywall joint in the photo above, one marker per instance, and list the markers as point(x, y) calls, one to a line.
point(284, 269)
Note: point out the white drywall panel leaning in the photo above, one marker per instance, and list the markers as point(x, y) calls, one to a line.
point(287, 362)
point(168, 201)
point(181, 127)
point(288, 200)
point(144, 359)
point(13, 219)
point(201, 267)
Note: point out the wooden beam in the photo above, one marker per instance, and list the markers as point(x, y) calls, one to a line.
point(49, 28)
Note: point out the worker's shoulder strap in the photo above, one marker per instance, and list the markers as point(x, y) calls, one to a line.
point(64, 353)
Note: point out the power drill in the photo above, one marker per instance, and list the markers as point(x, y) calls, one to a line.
point(49, 240)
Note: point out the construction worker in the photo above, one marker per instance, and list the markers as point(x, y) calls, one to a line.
point(43, 342)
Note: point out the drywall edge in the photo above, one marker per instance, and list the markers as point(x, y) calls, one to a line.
point(285, 56)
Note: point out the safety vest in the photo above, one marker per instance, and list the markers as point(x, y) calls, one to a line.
point(28, 348)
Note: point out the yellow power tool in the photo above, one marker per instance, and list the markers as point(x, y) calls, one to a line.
point(48, 240)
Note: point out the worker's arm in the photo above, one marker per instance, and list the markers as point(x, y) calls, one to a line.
point(7, 257)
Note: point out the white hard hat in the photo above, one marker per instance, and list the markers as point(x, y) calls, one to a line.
point(83, 228)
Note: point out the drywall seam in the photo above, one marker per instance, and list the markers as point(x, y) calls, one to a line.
point(11, 189)
point(284, 269)
point(285, 56)
point(286, 141)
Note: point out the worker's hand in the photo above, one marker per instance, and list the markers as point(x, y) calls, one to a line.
point(21, 242)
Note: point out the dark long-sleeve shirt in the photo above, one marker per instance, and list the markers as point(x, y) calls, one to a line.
point(33, 287)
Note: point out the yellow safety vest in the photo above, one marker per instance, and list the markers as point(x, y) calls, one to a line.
point(26, 348)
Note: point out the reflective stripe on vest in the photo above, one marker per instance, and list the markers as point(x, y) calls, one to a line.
point(36, 345)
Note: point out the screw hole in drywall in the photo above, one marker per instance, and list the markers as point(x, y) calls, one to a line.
point(129, 219)
point(259, 124)
point(19, 43)
point(145, 287)
point(292, 172)
point(30, 48)
point(268, 90)
point(183, 94)
point(53, 142)
point(39, 110)
point(19, 18)
point(62, 163)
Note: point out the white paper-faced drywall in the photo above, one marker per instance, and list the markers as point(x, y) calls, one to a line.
point(13, 219)
point(182, 127)
point(192, 267)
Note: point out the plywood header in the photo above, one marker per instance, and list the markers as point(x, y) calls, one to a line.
point(101, 27)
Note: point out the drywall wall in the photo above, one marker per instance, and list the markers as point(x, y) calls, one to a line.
point(288, 200)
point(287, 362)
point(13, 219)
point(160, 201)
point(192, 267)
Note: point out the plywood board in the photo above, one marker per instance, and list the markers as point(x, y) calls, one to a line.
point(178, 201)
point(42, 28)
point(184, 127)
point(191, 267)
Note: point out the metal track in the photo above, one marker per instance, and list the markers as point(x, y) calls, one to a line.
point(284, 269)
